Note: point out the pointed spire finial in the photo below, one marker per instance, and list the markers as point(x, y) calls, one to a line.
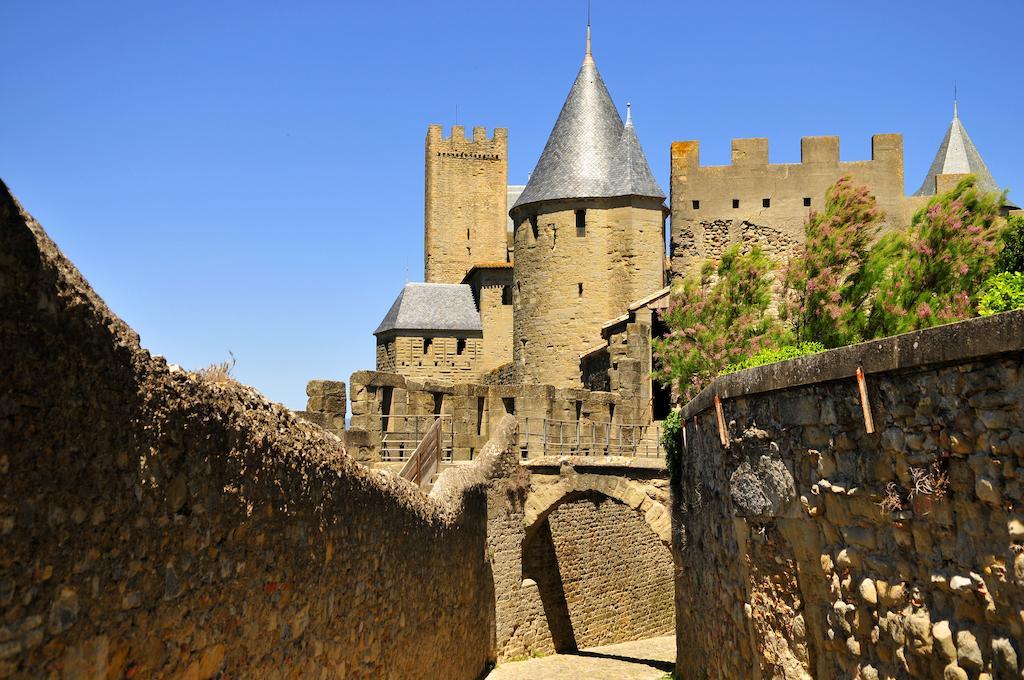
point(588, 57)
point(955, 114)
point(629, 113)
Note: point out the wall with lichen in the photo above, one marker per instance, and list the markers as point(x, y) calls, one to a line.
point(810, 547)
point(154, 523)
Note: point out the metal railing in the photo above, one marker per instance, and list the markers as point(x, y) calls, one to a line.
point(548, 437)
point(402, 434)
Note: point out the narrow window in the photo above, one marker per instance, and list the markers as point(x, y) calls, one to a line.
point(735, 203)
point(426, 345)
point(579, 289)
point(766, 202)
point(479, 415)
point(460, 346)
point(611, 413)
point(534, 227)
point(579, 410)
point(467, 233)
point(581, 222)
point(807, 201)
point(696, 205)
point(510, 405)
point(438, 402)
point(506, 295)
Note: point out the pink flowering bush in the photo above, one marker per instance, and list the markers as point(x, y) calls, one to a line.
point(932, 273)
point(716, 318)
point(826, 286)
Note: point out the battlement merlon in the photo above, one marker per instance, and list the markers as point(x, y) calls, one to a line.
point(753, 152)
point(435, 136)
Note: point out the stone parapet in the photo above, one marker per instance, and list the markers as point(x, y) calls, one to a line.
point(813, 541)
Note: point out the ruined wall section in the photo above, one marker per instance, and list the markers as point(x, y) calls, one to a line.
point(465, 201)
point(753, 201)
point(157, 524)
point(810, 547)
point(567, 283)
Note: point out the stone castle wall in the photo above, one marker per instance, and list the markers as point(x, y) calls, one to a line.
point(154, 523)
point(494, 291)
point(466, 201)
point(809, 547)
point(565, 285)
point(603, 573)
point(387, 402)
point(436, 357)
point(714, 207)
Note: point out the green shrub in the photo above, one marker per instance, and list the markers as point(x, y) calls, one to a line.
point(671, 441)
point(1011, 257)
point(716, 318)
point(1001, 293)
point(771, 355)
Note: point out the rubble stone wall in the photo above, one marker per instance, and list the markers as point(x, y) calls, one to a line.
point(809, 547)
point(154, 523)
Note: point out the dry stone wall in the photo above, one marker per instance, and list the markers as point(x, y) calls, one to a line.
point(810, 547)
point(157, 524)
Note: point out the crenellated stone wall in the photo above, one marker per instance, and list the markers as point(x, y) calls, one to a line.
point(157, 523)
point(810, 547)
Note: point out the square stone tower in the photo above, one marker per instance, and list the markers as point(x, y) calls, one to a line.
point(466, 211)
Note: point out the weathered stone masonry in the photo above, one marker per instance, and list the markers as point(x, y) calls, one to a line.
point(811, 548)
point(154, 524)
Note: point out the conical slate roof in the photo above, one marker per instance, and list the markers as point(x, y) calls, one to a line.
point(433, 307)
point(634, 174)
point(957, 155)
point(590, 153)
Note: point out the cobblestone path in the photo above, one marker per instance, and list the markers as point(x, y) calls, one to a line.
point(641, 660)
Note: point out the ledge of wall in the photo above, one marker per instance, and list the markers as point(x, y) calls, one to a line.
point(952, 343)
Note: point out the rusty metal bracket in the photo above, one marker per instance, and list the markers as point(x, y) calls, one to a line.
point(865, 405)
point(723, 433)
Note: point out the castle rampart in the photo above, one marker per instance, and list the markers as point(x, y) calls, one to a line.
point(465, 201)
point(752, 200)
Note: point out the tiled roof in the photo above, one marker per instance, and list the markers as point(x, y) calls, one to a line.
point(433, 307)
point(590, 153)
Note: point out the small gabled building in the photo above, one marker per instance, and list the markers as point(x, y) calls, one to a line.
point(432, 330)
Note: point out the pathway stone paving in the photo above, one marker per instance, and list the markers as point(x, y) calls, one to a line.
point(641, 660)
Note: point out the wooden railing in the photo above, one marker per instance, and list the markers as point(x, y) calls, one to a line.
point(403, 433)
point(424, 461)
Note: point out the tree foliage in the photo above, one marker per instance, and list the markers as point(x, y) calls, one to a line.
point(771, 355)
point(1011, 256)
point(931, 274)
point(720, 316)
point(1001, 293)
point(826, 288)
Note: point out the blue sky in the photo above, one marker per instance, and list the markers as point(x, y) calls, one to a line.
point(249, 176)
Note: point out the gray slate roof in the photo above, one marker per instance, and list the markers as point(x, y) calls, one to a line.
point(433, 307)
point(957, 155)
point(590, 153)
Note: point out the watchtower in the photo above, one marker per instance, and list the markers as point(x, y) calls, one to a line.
point(466, 202)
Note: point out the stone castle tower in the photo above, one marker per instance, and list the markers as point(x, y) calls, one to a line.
point(589, 234)
point(465, 202)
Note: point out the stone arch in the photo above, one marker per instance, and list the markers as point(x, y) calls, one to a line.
point(544, 498)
